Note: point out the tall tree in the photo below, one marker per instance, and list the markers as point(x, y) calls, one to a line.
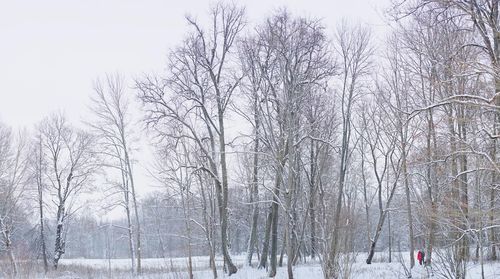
point(201, 84)
point(353, 47)
point(113, 126)
point(38, 167)
point(294, 60)
point(252, 86)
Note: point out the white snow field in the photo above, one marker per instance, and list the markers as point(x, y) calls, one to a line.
point(175, 268)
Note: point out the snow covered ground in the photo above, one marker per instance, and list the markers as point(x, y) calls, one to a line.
point(175, 268)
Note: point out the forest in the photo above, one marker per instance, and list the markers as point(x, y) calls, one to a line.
point(281, 148)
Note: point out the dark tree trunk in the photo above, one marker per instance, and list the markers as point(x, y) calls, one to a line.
point(254, 196)
point(265, 246)
point(312, 195)
point(275, 218)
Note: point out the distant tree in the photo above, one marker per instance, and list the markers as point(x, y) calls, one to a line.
point(13, 185)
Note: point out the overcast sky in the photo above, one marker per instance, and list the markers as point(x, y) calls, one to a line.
point(52, 50)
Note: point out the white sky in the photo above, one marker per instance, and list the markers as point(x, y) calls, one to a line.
point(52, 50)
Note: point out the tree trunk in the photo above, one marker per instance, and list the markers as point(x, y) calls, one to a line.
point(390, 236)
point(365, 199)
point(464, 192)
point(59, 242)
point(42, 231)
point(312, 195)
point(382, 213)
point(290, 252)
point(42, 239)
point(254, 196)
point(331, 260)
point(380, 224)
point(455, 196)
point(136, 209)
point(187, 217)
point(496, 129)
point(8, 247)
point(126, 197)
point(265, 246)
point(432, 187)
point(130, 231)
point(290, 195)
point(408, 203)
point(275, 218)
point(283, 247)
point(40, 205)
point(491, 214)
point(208, 225)
point(494, 180)
point(224, 187)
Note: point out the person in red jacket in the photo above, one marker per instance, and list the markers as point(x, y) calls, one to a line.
point(420, 257)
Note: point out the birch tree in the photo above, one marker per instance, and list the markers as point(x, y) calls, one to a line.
point(71, 166)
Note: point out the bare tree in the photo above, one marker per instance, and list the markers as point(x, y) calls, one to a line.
point(176, 169)
point(202, 83)
point(381, 148)
point(114, 130)
point(321, 123)
point(38, 167)
point(294, 60)
point(71, 165)
point(249, 51)
point(399, 102)
point(354, 50)
point(13, 181)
